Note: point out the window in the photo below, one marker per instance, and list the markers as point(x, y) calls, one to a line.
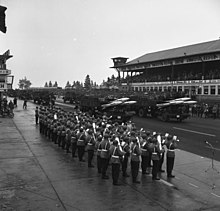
point(174, 88)
point(155, 88)
point(2, 79)
point(206, 90)
point(144, 89)
point(180, 89)
point(165, 88)
point(218, 89)
point(160, 88)
point(212, 91)
point(199, 90)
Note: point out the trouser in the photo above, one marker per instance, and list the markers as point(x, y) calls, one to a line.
point(149, 161)
point(36, 119)
point(90, 157)
point(124, 165)
point(81, 151)
point(59, 140)
point(63, 142)
point(144, 163)
point(43, 129)
point(170, 164)
point(99, 164)
point(104, 164)
point(134, 169)
point(41, 126)
point(74, 147)
point(161, 161)
point(48, 132)
point(115, 172)
point(67, 146)
point(54, 138)
point(155, 168)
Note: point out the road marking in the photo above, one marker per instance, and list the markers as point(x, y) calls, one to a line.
point(193, 131)
point(215, 195)
point(193, 185)
point(166, 183)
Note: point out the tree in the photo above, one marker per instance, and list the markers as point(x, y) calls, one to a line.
point(50, 84)
point(24, 83)
point(55, 84)
point(68, 85)
point(46, 85)
point(87, 83)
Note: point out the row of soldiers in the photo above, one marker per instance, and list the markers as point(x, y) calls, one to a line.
point(114, 143)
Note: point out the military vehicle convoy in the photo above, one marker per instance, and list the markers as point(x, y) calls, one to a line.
point(125, 105)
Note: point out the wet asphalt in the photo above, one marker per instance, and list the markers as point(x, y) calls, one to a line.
point(35, 174)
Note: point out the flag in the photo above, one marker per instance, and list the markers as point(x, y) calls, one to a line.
point(2, 19)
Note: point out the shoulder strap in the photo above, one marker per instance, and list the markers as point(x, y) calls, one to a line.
point(114, 151)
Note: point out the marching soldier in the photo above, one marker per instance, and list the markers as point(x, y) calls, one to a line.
point(171, 146)
point(68, 139)
point(98, 153)
point(81, 143)
point(63, 136)
point(54, 132)
point(105, 146)
point(135, 159)
point(161, 146)
point(115, 154)
point(90, 139)
point(155, 158)
point(126, 148)
point(144, 154)
point(73, 141)
point(59, 130)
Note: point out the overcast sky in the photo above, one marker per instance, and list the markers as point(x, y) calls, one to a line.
point(64, 40)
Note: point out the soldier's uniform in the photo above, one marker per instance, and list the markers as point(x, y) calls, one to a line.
point(155, 158)
point(81, 143)
point(105, 146)
point(68, 139)
point(115, 154)
point(135, 159)
point(126, 149)
point(144, 154)
point(98, 153)
point(170, 155)
point(63, 136)
point(54, 136)
point(59, 129)
point(90, 140)
point(74, 141)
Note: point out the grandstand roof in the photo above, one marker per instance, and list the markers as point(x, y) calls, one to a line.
point(189, 50)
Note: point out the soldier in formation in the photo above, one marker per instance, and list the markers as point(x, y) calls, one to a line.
point(120, 145)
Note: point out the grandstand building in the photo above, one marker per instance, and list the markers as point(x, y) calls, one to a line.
point(6, 79)
point(193, 70)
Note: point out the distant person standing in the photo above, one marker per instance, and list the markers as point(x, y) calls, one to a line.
point(11, 106)
point(15, 102)
point(36, 115)
point(25, 104)
point(214, 111)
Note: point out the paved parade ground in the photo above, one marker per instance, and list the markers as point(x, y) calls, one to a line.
point(37, 175)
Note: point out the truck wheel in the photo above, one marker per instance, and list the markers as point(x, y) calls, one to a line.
point(141, 112)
